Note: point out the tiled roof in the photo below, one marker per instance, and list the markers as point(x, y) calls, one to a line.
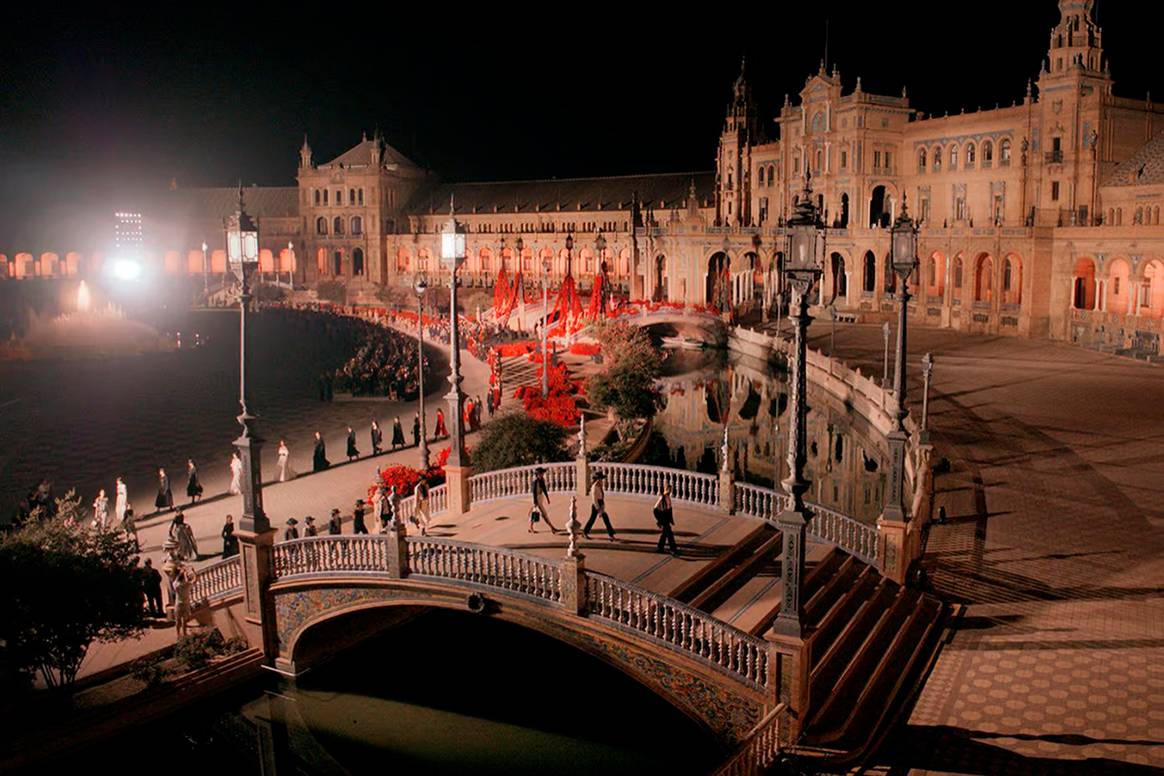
point(360, 155)
point(662, 191)
point(218, 203)
point(1146, 167)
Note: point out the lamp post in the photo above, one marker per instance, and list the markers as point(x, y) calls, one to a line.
point(421, 287)
point(569, 254)
point(927, 372)
point(904, 240)
point(600, 250)
point(545, 327)
point(519, 288)
point(205, 274)
point(290, 265)
point(833, 329)
point(453, 255)
point(885, 365)
point(805, 244)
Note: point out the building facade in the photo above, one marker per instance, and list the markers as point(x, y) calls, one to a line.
point(1040, 219)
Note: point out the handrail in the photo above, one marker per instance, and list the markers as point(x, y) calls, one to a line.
point(508, 483)
point(758, 753)
point(629, 479)
point(696, 633)
point(218, 580)
point(493, 567)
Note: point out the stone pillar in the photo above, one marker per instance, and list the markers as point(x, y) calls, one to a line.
point(573, 570)
point(788, 664)
point(256, 550)
point(398, 549)
point(727, 492)
point(457, 483)
point(894, 553)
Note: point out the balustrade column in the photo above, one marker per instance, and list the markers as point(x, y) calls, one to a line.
point(397, 549)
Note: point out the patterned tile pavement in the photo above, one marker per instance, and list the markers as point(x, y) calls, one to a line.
point(1054, 541)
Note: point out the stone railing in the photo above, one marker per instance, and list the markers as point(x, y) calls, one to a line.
point(438, 501)
point(218, 580)
point(647, 482)
point(694, 632)
point(492, 567)
point(827, 525)
point(509, 483)
point(759, 752)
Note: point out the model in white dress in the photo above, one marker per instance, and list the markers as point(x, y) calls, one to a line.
point(121, 502)
point(285, 470)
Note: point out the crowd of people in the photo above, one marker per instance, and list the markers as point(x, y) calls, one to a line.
point(384, 364)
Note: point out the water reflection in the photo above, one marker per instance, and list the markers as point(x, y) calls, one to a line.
point(706, 389)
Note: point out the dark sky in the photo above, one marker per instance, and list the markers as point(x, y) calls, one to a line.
point(96, 111)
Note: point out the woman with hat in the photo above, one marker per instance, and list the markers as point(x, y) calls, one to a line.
point(335, 524)
point(541, 501)
point(598, 507)
point(310, 529)
point(181, 533)
point(358, 526)
point(291, 532)
point(229, 540)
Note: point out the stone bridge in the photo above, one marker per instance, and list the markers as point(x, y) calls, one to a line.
point(684, 639)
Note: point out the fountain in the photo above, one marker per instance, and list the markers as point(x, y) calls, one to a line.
point(87, 331)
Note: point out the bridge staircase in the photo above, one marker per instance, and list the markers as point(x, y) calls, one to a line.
point(872, 644)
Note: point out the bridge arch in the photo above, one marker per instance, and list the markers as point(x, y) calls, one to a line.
point(726, 709)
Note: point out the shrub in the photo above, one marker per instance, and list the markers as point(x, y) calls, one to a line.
point(196, 650)
point(150, 671)
point(332, 291)
point(516, 439)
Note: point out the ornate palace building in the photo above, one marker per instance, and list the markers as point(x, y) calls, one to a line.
point(1039, 219)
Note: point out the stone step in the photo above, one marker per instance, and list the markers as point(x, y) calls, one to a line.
point(698, 582)
point(733, 578)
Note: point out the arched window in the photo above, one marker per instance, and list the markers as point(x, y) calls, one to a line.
point(938, 159)
point(984, 279)
point(358, 261)
point(971, 155)
point(337, 226)
point(819, 161)
point(325, 194)
point(987, 153)
point(339, 197)
point(933, 271)
point(351, 196)
point(869, 280)
point(1004, 152)
point(1007, 278)
point(321, 225)
point(954, 157)
point(921, 161)
point(761, 175)
point(771, 174)
point(357, 225)
point(361, 194)
point(1138, 218)
point(958, 277)
point(316, 193)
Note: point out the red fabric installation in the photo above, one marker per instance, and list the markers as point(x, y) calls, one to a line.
point(567, 309)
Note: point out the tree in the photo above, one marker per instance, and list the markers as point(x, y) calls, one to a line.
point(65, 586)
point(515, 439)
point(627, 387)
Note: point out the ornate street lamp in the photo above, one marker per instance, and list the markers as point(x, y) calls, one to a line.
point(290, 266)
point(803, 268)
point(205, 274)
point(569, 253)
point(421, 286)
point(546, 266)
point(600, 251)
point(453, 256)
point(885, 367)
point(904, 252)
point(927, 373)
point(242, 251)
point(519, 290)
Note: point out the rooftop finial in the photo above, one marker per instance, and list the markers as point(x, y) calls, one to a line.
point(452, 206)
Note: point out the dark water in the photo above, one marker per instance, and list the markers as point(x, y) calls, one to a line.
point(449, 693)
point(81, 422)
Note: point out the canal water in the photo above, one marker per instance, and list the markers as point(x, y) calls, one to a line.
point(448, 693)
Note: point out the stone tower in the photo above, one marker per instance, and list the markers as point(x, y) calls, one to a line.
point(741, 131)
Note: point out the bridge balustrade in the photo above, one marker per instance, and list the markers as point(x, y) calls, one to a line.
point(494, 567)
point(509, 483)
point(647, 481)
point(218, 580)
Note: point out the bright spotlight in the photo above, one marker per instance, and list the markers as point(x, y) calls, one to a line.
point(125, 269)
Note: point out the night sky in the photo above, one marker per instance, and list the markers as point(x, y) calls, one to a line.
point(96, 111)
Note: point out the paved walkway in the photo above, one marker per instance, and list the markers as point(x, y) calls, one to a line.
point(1056, 527)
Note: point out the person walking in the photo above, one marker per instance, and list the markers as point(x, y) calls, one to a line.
point(358, 526)
point(416, 430)
point(129, 525)
point(291, 532)
point(319, 460)
point(183, 597)
point(598, 507)
point(353, 452)
point(421, 515)
point(335, 523)
point(440, 432)
point(121, 501)
point(152, 584)
point(489, 403)
point(541, 501)
point(377, 438)
point(283, 462)
point(101, 510)
point(397, 434)
point(229, 540)
point(665, 518)
point(165, 500)
point(181, 533)
point(309, 529)
point(193, 486)
point(235, 474)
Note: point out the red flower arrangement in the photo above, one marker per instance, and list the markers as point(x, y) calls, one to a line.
point(512, 349)
point(586, 348)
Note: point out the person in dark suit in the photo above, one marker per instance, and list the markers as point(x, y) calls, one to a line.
point(165, 499)
point(665, 518)
point(358, 526)
point(291, 532)
point(229, 540)
point(335, 525)
point(152, 585)
point(416, 430)
point(353, 451)
point(319, 460)
point(377, 438)
point(397, 434)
